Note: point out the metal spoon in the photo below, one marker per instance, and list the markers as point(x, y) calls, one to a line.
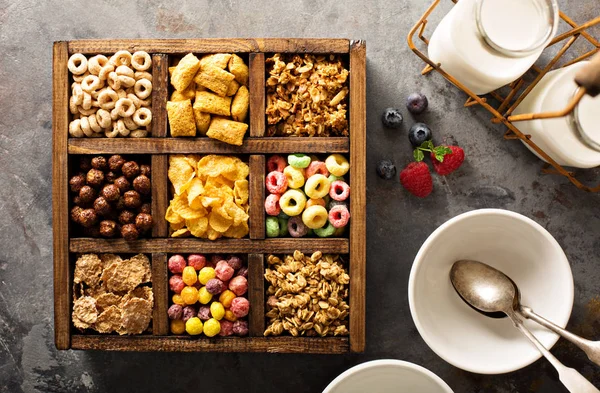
point(490, 290)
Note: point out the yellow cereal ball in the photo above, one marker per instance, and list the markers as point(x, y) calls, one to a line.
point(204, 296)
point(315, 217)
point(177, 299)
point(295, 176)
point(189, 295)
point(189, 275)
point(226, 298)
point(230, 316)
point(337, 164)
point(206, 274)
point(212, 327)
point(217, 310)
point(194, 326)
point(177, 326)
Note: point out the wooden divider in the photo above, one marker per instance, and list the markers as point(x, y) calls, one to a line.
point(160, 288)
point(257, 197)
point(257, 99)
point(256, 294)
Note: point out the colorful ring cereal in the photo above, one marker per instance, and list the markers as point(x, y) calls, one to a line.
point(337, 164)
point(296, 227)
point(317, 186)
point(317, 167)
point(77, 64)
point(327, 231)
point(315, 217)
point(339, 216)
point(276, 163)
point(272, 225)
point(340, 191)
point(334, 203)
point(299, 161)
point(292, 202)
point(313, 202)
point(294, 176)
point(272, 205)
point(283, 226)
point(276, 182)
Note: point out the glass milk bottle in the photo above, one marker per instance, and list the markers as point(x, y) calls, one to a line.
point(486, 44)
point(572, 140)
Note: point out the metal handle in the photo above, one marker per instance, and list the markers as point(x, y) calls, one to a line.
point(571, 378)
point(591, 348)
point(589, 76)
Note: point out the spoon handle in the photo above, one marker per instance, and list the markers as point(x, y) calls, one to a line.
point(591, 348)
point(571, 378)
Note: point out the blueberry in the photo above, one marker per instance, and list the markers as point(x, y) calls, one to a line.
point(418, 134)
point(416, 103)
point(386, 169)
point(392, 118)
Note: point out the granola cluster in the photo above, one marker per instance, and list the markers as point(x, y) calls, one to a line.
point(307, 95)
point(307, 295)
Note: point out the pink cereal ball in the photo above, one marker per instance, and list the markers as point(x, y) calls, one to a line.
point(317, 167)
point(339, 191)
point(339, 216)
point(188, 312)
point(214, 259)
point(197, 261)
point(272, 205)
point(226, 328)
point(204, 313)
point(176, 283)
point(276, 182)
point(240, 307)
point(243, 272)
point(238, 285)
point(276, 164)
point(175, 311)
point(176, 264)
point(214, 286)
point(234, 262)
point(223, 271)
point(240, 328)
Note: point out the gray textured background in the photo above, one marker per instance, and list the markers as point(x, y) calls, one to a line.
point(496, 174)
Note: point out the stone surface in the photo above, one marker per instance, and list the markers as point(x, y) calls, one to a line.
point(496, 174)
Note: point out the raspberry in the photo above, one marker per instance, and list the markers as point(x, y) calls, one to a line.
point(451, 161)
point(417, 179)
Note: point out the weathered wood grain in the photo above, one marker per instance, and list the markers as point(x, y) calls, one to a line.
point(256, 294)
point(160, 195)
point(160, 93)
point(257, 95)
point(257, 197)
point(160, 287)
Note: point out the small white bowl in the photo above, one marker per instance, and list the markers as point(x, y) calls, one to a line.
point(513, 244)
point(387, 376)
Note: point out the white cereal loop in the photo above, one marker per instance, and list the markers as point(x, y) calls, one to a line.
point(73, 107)
point(147, 102)
point(113, 81)
point(105, 71)
point(75, 129)
point(103, 117)
point(77, 64)
point(122, 93)
point(122, 57)
point(87, 101)
point(124, 70)
point(138, 133)
point(85, 126)
point(90, 83)
point(141, 61)
point(78, 93)
point(125, 107)
point(114, 114)
point(143, 75)
point(107, 99)
point(86, 112)
point(123, 131)
point(130, 124)
point(96, 63)
point(143, 88)
point(136, 101)
point(126, 81)
point(94, 123)
point(111, 133)
point(95, 103)
point(142, 117)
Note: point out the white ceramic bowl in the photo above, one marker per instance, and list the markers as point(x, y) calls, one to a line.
point(387, 376)
point(513, 244)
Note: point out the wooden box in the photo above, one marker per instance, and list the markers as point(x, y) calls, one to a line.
point(255, 146)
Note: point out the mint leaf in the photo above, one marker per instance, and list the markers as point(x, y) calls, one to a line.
point(418, 154)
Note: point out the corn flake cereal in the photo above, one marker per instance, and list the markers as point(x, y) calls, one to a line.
point(180, 171)
point(88, 269)
point(109, 320)
point(84, 312)
point(136, 315)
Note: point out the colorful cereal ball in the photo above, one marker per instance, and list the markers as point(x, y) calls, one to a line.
point(194, 326)
point(189, 295)
point(177, 299)
point(226, 328)
point(223, 271)
point(204, 297)
point(337, 164)
point(276, 163)
point(204, 313)
point(176, 264)
point(315, 217)
point(177, 326)
point(235, 262)
point(189, 275)
point(238, 285)
point(212, 327)
point(217, 310)
point(240, 307)
point(272, 205)
point(276, 182)
point(214, 286)
point(197, 261)
point(175, 311)
point(292, 202)
point(206, 274)
point(227, 297)
point(317, 186)
point(230, 316)
point(242, 272)
point(176, 283)
point(240, 328)
point(188, 312)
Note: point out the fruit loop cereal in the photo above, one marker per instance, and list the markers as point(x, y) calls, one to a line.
point(111, 294)
point(301, 192)
point(111, 97)
point(208, 295)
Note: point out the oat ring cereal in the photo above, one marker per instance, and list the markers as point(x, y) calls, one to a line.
point(87, 101)
point(122, 57)
point(94, 123)
point(96, 63)
point(85, 126)
point(75, 129)
point(107, 99)
point(122, 93)
point(77, 64)
point(103, 117)
point(139, 133)
point(146, 102)
point(111, 133)
point(77, 93)
point(126, 81)
point(124, 70)
point(114, 114)
point(125, 107)
point(136, 101)
point(141, 61)
point(90, 83)
point(143, 88)
point(315, 217)
point(123, 131)
point(142, 117)
point(86, 112)
point(113, 81)
point(105, 71)
point(73, 106)
point(143, 75)
point(130, 124)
